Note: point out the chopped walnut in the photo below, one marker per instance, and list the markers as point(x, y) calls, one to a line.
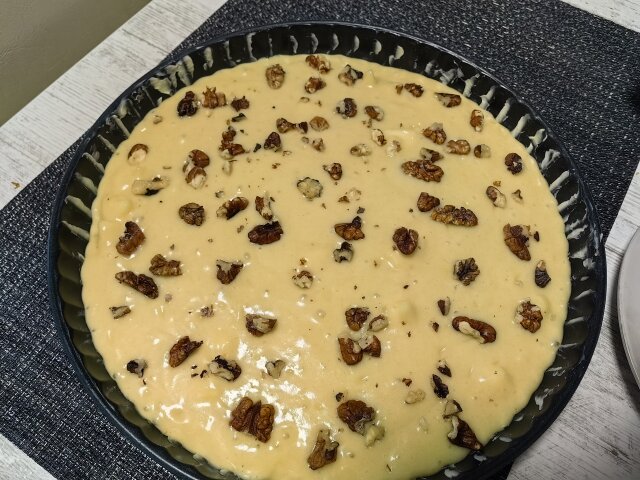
point(356, 317)
point(240, 103)
point(482, 151)
point(226, 369)
point(319, 124)
point(360, 150)
point(283, 125)
point(130, 240)
point(435, 133)
point(197, 158)
point(275, 76)
point(517, 196)
point(444, 305)
point(393, 147)
point(334, 170)
point(406, 240)
point(138, 153)
point(137, 366)
point(435, 326)
point(477, 120)
point(231, 208)
point(443, 368)
point(407, 381)
point(188, 105)
point(451, 408)
point(162, 267)
point(149, 187)
point(254, 418)
point(379, 322)
point(119, 312)
point(344, 253)
point(459, 147)
point(427, 202)
point(513, 161)
point(314, 84)
point(370, 344)
point(141, 283)
point(229, 149)
point(321, 64)
point(228, 271)
point(350, 351)
point(517, 239)
point(273, 142)
point(213, 99)
point(378, 137)
point(451, 215)
point(318, 144)
point(529, 316)
point(181, 350)
point(265, 234)
point(423, 170)
point(347, 108)
point(350, 231)
point(466, 270)
point(415, 396)
point(207, 311)
point(196, 177)
point(303, 279)
point(263, 207)
point(349, 75)
point(541, 276)
point(481, 331)
point(496, 196)
point(374, 112)
point(462, 435)
point(439, 387)
point(310, 188)
point(356, 414)
point(258, 325)
point(325, 451)
point(192, 213)
point(430, 155)
point(274, 368)
point(449, 99)
point(414, 89)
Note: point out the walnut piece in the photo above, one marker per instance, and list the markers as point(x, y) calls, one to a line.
point(137, 366)
point(344, 253)
point(149, 187)
point(258, 325)
point(378, 137)
point(283, 125)
point(481, 331)
point(449, 99)
point(303, 279)
point(356, 317)
point(319, 124)
point(496, 196)
point(321, 64)
point(517, 239)
point(213, 99)
point(377, 323)
point(439, 387)
point(231, 208)
point(334, 170)
point(138, 153)
point(275, 76)
point(130, 240)
point(314, 84)
point(415, 396)
point(310, 188)
point(450, 215)
point(459, 147)
point(360, 150)
point(263, 207)
point(318, 144)
point(227, 147)
point(273, 142)
point(513, 161)
point(240, 103)
point(254, 418)
point(443, 368)
point(541, 276)
point(477, 120)
point(370, 344)
point(349, 75)
point(435, 133)
point(350, 351)
point(226, 369)
point(192, 213)
point(482, 151)
point(350, 231)
point(347, 108)
point(181, 350)
point(466, 270)
point(451, 408)
point(324, 452)
point(188, 105)
point(356, 414)
point(227, 271)
point(444, 305)
point(119, 312)
point(406, 240)
point(143, 284)
point(529, 316)
point(162, 267)
point(265, 234)
point(462, 435)
point(374, 112)
point(196, 177)
point(423, 170)
point(414, 89)
point(430, 155)
point(274, 368)
point(427, 202)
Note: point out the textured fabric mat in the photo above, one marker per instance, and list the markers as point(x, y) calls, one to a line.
point(577, 70)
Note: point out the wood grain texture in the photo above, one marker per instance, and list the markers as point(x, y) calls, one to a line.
point(597, 436)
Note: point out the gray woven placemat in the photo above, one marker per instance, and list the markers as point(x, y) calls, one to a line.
point(577, 70)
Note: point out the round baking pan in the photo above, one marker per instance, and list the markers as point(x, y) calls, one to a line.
point(70, 222)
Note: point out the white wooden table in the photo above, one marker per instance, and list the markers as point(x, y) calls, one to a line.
point(597, 436)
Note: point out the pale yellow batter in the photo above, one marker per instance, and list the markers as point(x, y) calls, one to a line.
point(491, 381)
